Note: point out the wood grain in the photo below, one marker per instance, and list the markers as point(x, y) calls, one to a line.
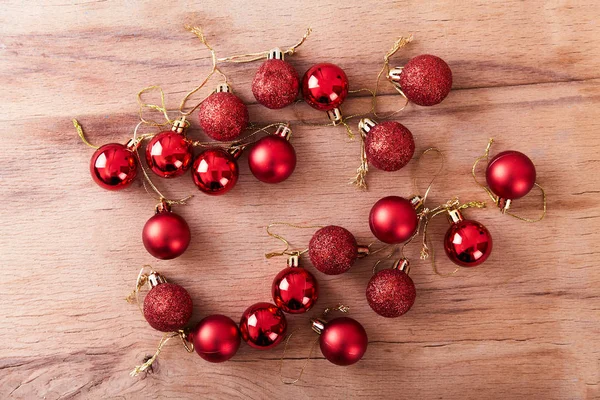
point(525, 325)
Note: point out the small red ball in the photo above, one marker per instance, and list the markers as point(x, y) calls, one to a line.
point(263, 326)
point(391, 293)
point(393, 220)
point(272, 159)
point(426, 80)
point(510, 175)
point(468, 243)
point(276, 84)
point(333, 250)
point(344, 341)
point(169, 154)
point(223, 116)
point(216, 338)
point(215, 171)
point(325, 86)
point(166, 235)
point(295, 290)
point(389, 146)
point(113, 166)
point(168, 307)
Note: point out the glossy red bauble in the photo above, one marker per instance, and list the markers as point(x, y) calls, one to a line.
point(393, 220)
point(216, 338)
point(223, 116)
point(169, 154)
point(295, 290)
point(389, 146)
point(391, 293)
point(276, 84)
point(113, 166)
point(333, 250)
point(510, 175)
point(168, 307)
point(468, 243)
point(263, 326)
point(272, 159)
point(166, 235)
point(325, 86)
point(215, 171)
point(343, 341)
point(426, 80)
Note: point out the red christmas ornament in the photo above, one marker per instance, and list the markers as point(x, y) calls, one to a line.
point(216, 338)
point(510, 175)
point(389, 145)
point(169, 154)
point(215, 171)
point(167, 307)
point(276, 82)
point(467, 243)
point(166, 235)
point(113, 166)
point(295, 290)
point(263, 326)
point(333, 250)
point(393, 220)
point(272, 159)
point(425, 80)
point(325, 86)
point(223, 116)
point(343, 340)
point(391, 292)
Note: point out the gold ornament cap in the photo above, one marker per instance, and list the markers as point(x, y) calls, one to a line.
point(155, 279)
point(335, 116)
point(223, 88)
point(275, 54)
point(365, 125)
point(283, 131)
point(318, 325)
point(394, 74)
point(402, 265)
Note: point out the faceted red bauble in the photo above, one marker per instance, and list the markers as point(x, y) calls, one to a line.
point(113, 166)
point(343, 341)
point(510, 175)
point(169, 154)
point(391, 293)
point(223, 116)
point(389, 146)
point(333, 250)
point(168, 307)
point(263, 326)
point(325, 86)
point(166, 235)
point(215, 171)
point(295, 290)
point(216, 338)
point(276, 84)
point(393, 220)
point(468, 243)
point(272, 159)
point(426, 80)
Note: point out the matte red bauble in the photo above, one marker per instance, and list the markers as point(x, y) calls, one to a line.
point(263, 326)
point(510, 175)
point(166, 235)
point(343, 341)
point(272, 159)
point(168, 307)
point(215, 171)
point(276, 84)
point(113, 166)
point(426, 80)
point(169, 154)
point(393, 220)
point(295, 290)
point(216, 338)
point(389, 145)
point(391, 292)
point(467, 243)
point(333, 250)
point(223, 116)
point(325, 86)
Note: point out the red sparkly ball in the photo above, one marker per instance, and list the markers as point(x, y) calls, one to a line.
point(276, 84)
point(166, 235)
point(510, 175)
point(169, 154)
point(343, 341)
point(468, 243)
point(113, 166)
point(333, 250)
point(393, 220)
point(168, 307)
point(215, 171)
point(223, 116)
point(389, 146)
point(216, 338)
point(295, 290)
point(325, 86)
point(426, 80)
point(391, 293)
point(263, 326)
point(272, 159)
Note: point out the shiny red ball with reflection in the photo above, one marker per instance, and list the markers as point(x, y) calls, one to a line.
point(169, 154)
point(343, 341)
point(216, 338)
point(223, 116)
point(263, 326)
point(510, 175)
point(393, 220)
point(276, 84)
point(325, 86)
point(272, 159)
point(215, 171)
point(333, 250)
point(295, 290)
point(113, 166)
point(468, 243)
point(426, 80)
point(168, 307)
point(166, 235)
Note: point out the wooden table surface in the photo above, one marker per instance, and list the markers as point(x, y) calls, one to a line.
point(524, 325)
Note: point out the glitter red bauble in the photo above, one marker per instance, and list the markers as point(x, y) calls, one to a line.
point(343, 341)
point(295, 290)
point(276, 84)
point(263, 326)
point(389, 146)
point(223, 116)
point(333, 250)
point(510, 175)
point(391, 293)
point(215, 171)
point(169, 154)
point(393, 220)
point(166, 235)
point(216, 338)
point(468, 243)
point(272, 159)
point(168, 307)
point(426, 80)
point(113, 166)
point(325, 86)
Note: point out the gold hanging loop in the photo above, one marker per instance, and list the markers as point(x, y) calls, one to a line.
point(81, 134)
point(290, 381)
point(166, 337)
point(287, 250)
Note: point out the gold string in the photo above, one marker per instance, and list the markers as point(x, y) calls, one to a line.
point(437, 174)
point(166, 337)
point(162, 108)
point(243, 142)
point(290, 381)
point(141, 280)
point(340, 307)
point(81, 135)
point(287, 250)
point(541, 217)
